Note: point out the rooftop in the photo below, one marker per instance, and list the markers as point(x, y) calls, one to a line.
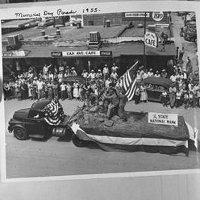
point(15, 23)
point(69, 32)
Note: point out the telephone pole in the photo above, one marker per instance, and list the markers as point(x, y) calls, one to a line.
point(144, 52)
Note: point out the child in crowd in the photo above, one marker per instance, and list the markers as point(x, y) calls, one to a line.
point(178, 98)
point(164, 98)
point(69, 91)
point(50, 89)
point(76, 90)
point(63, 90)
point(81, 92)
point(137, 95)
point(191, 99)
point(186, 100)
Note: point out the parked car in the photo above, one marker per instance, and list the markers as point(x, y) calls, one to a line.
point(25, 124)
point(46, 22)
point(155, 87)
point(189, 31)
point(190, 34)
point(72, 79)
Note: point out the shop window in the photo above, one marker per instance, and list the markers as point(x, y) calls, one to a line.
point(90, 23)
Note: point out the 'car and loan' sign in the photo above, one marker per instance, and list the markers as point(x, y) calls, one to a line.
point(81, 53)
point(151, 39)
point(165, 119)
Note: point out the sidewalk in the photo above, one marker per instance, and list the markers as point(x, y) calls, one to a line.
point(190, 47)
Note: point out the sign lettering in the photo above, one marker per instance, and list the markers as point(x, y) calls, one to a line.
point(106, 53)
point(14, 54)
point(137, 14)
point(151, 39)
point(157, 16)
point(80, 53)
point(165, 119)
point(56, 54)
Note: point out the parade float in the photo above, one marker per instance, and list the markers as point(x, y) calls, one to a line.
point(149, 132)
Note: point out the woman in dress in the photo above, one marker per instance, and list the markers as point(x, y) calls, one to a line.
point(137, 95)
point(143, 93)
point(178, 98)
point(81, 92)
point(50, 90)
point(172, 95)
point(30, 88)
point(76, 90)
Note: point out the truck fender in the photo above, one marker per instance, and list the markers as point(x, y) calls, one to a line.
point(17, 125)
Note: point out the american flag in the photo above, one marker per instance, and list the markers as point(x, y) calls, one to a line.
point(128, 81)
point(53, 113)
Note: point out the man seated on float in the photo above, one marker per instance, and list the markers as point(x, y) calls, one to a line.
point(91, 99)
point(105, 101)
point(122, 103)
point(113, 99)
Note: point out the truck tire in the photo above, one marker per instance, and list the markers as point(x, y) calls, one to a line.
point(20, 133)
point(77, 142)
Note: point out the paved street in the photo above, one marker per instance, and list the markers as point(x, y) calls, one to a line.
point(33, 158)
point(190, 47)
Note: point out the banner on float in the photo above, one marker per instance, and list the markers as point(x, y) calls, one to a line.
point(165, 119)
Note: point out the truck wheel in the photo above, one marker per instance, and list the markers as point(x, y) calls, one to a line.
point(20, 133)
point(77, 142)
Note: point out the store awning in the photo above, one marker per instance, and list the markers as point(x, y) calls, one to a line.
point(129, 49)
point(138, 49)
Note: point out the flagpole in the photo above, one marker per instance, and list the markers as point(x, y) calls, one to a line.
point(144, 53)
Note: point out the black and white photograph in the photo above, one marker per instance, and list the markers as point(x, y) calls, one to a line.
point(100, 93)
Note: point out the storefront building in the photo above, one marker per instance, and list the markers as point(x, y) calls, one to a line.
point(90, 47)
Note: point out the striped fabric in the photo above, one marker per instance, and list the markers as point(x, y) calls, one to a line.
point(128, 81)
point(53, 113)
point(113, 142)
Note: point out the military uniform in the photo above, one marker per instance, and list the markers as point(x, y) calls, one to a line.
point(114, 101)
point(122, 103)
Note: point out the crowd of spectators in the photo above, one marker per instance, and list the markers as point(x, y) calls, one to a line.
point(48, 83)
point(184, 89)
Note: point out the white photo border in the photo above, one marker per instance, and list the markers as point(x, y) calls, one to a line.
point(104, 7)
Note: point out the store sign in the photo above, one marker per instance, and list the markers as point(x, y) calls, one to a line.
point(137, 14)
point(157, 16)
point(7, 54)
point(56, 54)
point(165, 119)
point(80, 53)
point(14, 54)
point(151, 39)
point(106, 53)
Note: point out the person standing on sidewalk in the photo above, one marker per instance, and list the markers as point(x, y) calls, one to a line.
point(172, 95)
point(181, 53)
point(189, 65)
